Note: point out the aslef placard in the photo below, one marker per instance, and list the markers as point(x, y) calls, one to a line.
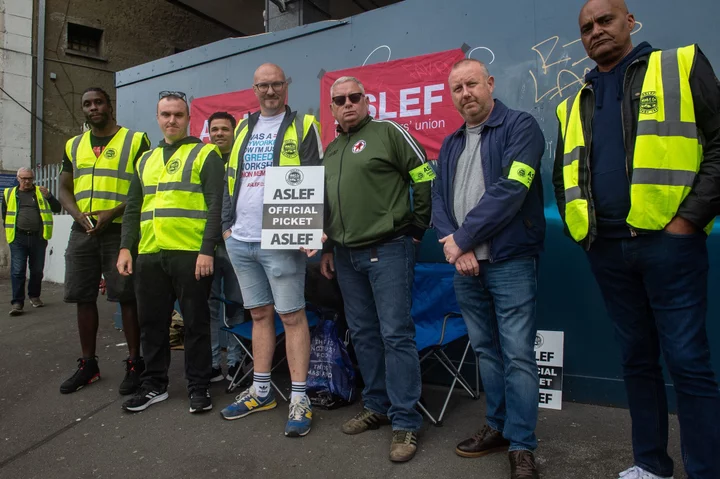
point(293, 207)
point(549, 355)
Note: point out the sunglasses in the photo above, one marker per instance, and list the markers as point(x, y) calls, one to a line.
point(353, 97)
point(176, 94)
point(276, 86)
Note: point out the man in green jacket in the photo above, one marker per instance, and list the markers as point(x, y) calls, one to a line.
point(372, 229)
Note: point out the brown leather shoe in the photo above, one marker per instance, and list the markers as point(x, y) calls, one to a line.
point(522, 465)
point(485, 442)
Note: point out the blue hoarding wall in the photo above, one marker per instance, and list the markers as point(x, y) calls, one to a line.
point(532, 48)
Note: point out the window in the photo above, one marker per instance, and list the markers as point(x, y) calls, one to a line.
point(83, 40)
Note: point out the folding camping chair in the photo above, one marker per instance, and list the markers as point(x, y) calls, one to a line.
point(244, 331)
point(436, 328)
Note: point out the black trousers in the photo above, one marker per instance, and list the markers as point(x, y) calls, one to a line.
point(160, 279)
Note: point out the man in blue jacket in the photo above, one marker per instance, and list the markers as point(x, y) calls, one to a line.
point(488, 213)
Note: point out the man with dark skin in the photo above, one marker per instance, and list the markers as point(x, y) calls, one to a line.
point(222, 125)
point(97, 167)
point(225, 284)
point(637, 181)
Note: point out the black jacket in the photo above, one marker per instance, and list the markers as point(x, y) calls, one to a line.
point(703, 202)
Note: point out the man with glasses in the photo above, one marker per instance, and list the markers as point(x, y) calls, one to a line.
point(96, 171)
point(270, 280)
point(372, 227)
point(173, 211)
point(27, 212)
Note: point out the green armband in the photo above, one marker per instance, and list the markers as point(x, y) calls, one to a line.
point(522, 173)
point(422, 173)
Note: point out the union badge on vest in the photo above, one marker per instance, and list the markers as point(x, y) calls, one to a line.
point(290, 148)
point(648, 103)
point(173, 165)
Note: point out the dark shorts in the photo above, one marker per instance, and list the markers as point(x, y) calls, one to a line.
point(86, 259)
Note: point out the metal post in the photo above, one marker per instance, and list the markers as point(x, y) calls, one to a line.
point(40, 83)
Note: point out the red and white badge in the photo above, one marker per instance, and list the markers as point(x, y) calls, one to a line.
point(359, 146)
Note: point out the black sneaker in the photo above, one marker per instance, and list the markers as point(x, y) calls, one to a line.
point(86, 373)
point(133, 369)
point(232, 371)
point(216, 375)
point(200, 400)
point(144, 398)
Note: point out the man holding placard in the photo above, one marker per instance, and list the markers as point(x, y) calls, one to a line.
point(270, 279)
point(372, 226)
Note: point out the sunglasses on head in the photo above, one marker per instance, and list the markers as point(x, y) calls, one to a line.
point(176, 94)
point(353, 97)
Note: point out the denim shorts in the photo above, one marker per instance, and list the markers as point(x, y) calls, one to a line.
point(268, 276)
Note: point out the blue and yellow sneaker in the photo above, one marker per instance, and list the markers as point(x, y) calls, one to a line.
point(248, 402)
point(300, 417)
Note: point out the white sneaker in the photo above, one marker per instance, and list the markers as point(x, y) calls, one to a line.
point(639, 473)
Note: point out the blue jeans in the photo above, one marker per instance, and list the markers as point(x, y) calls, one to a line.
point(376, 285)
point(269, 276)
point(499, 310)
point(24, 250)
point(225, 285)
point(655, 290)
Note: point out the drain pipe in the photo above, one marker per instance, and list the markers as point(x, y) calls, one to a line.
point(40, 83)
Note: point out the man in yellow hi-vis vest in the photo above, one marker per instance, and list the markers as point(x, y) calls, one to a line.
point(270, 280)
point(173, 210)
point(27, 212)
point(96, 171)
point(637, 181)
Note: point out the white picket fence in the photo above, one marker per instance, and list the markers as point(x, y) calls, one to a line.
point(49, 177)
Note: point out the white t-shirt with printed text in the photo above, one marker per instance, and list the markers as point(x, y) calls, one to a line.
point(257, 157)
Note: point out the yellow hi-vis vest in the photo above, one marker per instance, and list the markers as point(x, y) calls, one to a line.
point(289, 152)
point(174, 212)
point(10, 219)
point(102, 183)
point(667, 152)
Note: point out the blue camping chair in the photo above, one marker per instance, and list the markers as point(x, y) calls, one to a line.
point(437, 324)
point(244, 331)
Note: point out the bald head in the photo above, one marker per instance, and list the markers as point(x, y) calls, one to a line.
point(270, 87)
point(605, 27)
point(618, 4)
point(268, 69)
point(472, 63)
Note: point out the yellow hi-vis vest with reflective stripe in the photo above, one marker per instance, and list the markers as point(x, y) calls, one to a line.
point(12, 208)
point(289, 153)
point(174, 212)
point(667, 152)
point(102, 183)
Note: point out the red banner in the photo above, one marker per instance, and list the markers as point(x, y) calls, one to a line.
point(238, 103)
point(412, 92)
